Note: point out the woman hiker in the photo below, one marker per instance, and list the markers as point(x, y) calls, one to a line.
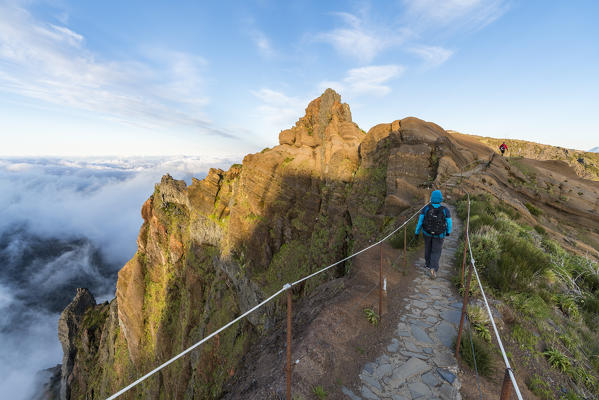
point(435, 223)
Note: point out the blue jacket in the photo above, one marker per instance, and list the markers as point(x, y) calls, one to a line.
point(436, 199)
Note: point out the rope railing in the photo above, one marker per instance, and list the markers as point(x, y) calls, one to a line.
point(509, 380)
point(286, 288)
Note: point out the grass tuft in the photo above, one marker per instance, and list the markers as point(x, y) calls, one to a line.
point(319, 392)
point(557, 359)
point(482, 353)
point(371, 316)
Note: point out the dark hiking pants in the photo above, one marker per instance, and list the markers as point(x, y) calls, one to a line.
point(432, 251)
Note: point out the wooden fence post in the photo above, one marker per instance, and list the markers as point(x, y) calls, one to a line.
point(464, 260)
point(506, 388)
point(465, 243)
point(457, 346)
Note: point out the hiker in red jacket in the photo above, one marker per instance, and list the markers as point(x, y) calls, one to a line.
point(503, 148)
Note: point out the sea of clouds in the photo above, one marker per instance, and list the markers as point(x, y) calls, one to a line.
point(67, 223)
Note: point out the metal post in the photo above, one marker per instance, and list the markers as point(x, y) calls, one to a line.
point(289, 344)
point(506, 388)
point(381, 284)
point(457, 346)
point(405, 246)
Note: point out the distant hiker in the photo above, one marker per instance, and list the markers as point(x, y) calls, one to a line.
point(435, 223)
point(503, 148)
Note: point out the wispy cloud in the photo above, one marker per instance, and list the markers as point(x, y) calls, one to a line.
point(52, 63)
point(262, 42)
point(370, 80)
point(277, 110)
point(361, 40)
point(471, 14)
point(364, 35)
point(433, 56)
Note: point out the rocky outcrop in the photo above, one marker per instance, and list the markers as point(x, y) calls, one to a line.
point(49, 383)
point(211, 250)
point(68, 332)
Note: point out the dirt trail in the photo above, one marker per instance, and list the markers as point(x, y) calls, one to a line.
point(418, 362)
point(332, 339)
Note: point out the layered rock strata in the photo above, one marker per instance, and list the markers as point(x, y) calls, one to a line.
point(211, 250)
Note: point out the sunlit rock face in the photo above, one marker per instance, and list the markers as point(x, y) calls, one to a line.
point(215, 248)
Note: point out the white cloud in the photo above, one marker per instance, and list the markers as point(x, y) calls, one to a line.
point(365, 35)
point(433, 56)
point(361, 40)
point(55, 216)
point(370, 80)
point(262, 42)
point(278, 111)
point(52, 63)
point(465, 14)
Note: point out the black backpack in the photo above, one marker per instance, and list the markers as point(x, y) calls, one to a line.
point(434, 222)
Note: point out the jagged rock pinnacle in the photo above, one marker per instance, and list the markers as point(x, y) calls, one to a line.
point(313, 128)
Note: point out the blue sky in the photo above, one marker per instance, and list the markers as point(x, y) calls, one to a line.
point(80, 78)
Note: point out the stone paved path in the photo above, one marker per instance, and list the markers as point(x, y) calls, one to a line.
point(418, 362)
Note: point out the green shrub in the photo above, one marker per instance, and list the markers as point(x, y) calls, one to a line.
point(571, 396)
point(397, 239)
point(540, 230)
point(568, 341)
point(557, 359)
point(319, 392)
point(479, 320)
point(591, 303)
point(524, 337)
point(371, 316)
point(482, 352)
point(568, 305)
point(485, 247)
point(530, 305)
point(583, 377)
point(533, 210)
point(520, 261)
point(539, 386)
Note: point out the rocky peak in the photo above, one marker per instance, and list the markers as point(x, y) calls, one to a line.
point(68, 330)
point(325, 118)
point(172, 190)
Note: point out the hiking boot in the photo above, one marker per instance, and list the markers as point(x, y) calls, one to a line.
point(433, 274)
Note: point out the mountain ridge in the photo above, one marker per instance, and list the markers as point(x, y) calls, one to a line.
point(210, 250)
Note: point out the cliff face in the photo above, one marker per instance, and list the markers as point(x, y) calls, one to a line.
point(208, 251)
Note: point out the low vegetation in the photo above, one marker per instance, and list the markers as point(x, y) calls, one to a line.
point(319, 392)
point(397, 240)
point(482, 354)
point(371, 316)
point(553, 295)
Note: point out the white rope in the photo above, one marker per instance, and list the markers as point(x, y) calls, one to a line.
point(285, 287)
point(505, 359)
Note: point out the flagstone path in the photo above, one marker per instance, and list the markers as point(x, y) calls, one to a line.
point(419, 362)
